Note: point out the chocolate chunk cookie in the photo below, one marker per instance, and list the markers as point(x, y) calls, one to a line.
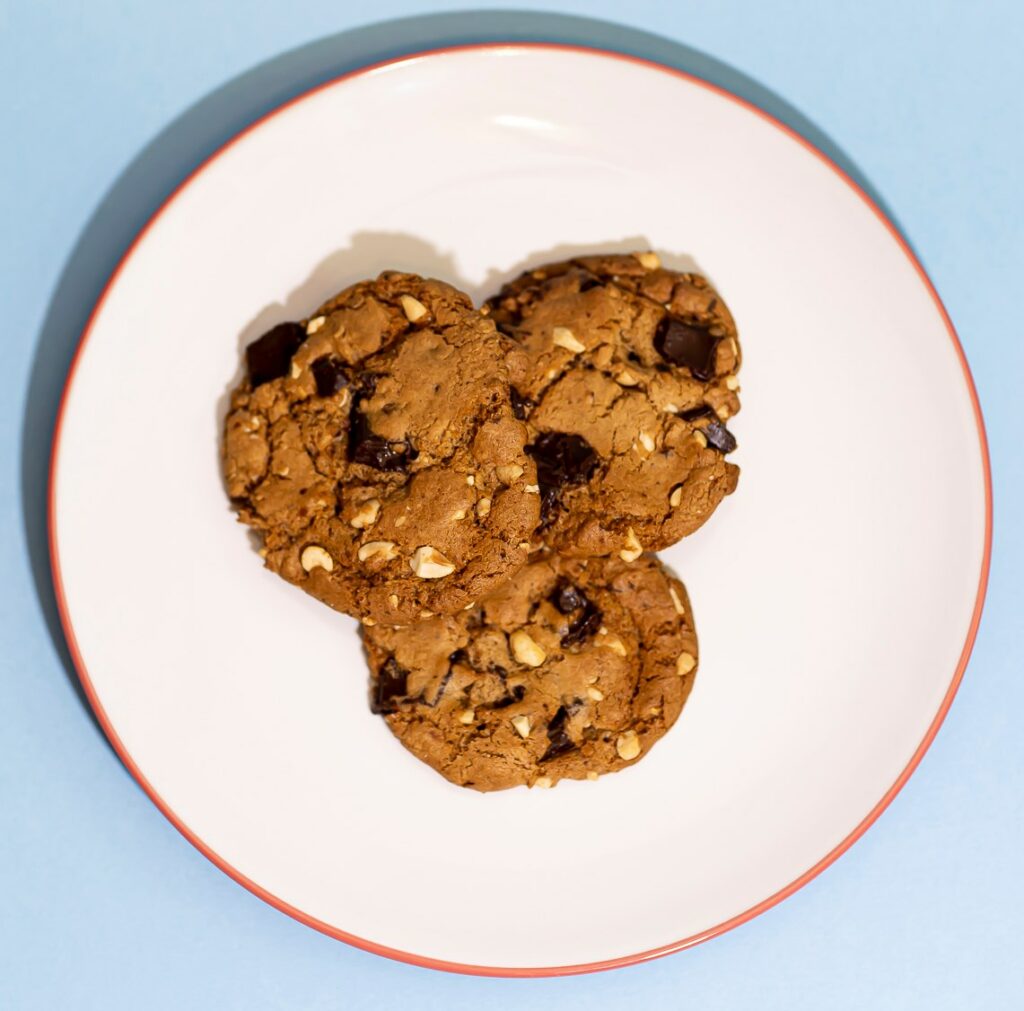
point(626, 375)
point(571, 669)
point(375, 449)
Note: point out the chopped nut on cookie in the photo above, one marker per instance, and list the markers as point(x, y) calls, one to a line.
point(509, 693)
point(363, 420)
point(651, 372)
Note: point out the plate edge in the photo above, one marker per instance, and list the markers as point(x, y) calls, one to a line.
point(528, 971)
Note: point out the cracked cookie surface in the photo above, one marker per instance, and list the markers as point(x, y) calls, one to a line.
point(572, 669)
point(375, 450)
point(625, 373)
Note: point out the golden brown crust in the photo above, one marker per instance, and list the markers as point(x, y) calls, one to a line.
point(590, 360)
point(526, 687)
point(402, 470)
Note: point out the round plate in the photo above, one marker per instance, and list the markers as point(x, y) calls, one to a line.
point(836, 594)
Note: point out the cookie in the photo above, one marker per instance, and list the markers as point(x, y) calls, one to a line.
point(572, 669)
point(375, 450)
point(626, 374)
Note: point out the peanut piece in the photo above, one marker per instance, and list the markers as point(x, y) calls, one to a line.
point(385, 550)
point(627, 745)
point(315, 557)
point(676, 602)
point(366, 515)
point(429, 563)
point(509, 474)
point(565, 338)
point(614, 643)
point(525, 649)
point(413, 308)
point(685, 664)
point(633, 549)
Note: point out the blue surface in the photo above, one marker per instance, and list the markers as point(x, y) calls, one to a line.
point(105, 106)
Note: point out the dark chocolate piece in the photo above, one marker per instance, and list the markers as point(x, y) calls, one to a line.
point(369, 449)
point(570, 599)
point(521, 405)
point(329, 375)
point(561, 459)
point(392, 684)
point(516, 693)
point(697, 412)
point(687, 345)
point(270, 356)
point(583, 626)
point(560, 741)
point(719, 437)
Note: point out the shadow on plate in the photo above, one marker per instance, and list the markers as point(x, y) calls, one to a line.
point(201, 129)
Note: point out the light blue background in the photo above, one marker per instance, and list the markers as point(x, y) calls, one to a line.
point(102, 904)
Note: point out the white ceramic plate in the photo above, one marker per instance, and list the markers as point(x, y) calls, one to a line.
point(836, 594)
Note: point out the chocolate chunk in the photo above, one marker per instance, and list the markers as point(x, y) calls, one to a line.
point(515, 695)
point(548, 506)
point(329, 375)
point(719, 437)
point(568, 597)
point(459, 656)
point(561, 459)
point(684, 344)
point(571, 599)
point(270, 356)
point(373, 451)
point(697, 412)
point(560, 741)
point(392, 684)
point(589, 281)
point(565, 459)
point(368, 384)
point(583, 626)
point(369, 449)
point(521, 405)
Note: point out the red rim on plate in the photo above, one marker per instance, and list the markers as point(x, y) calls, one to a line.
point(560, 970)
